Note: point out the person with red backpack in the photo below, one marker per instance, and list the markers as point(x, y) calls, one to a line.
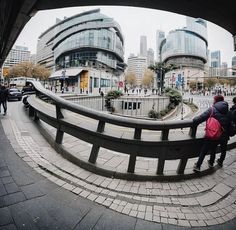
point(213, 137)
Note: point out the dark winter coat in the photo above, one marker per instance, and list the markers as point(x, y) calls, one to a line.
point(3, 94)
point(232, 113)
point(220, 112)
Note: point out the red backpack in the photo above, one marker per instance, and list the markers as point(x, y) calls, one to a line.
point(213, 130)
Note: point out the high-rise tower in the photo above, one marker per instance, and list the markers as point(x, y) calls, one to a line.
point(160, 36)
point(143, 46)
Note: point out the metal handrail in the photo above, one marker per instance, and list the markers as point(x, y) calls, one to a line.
point(163, 149)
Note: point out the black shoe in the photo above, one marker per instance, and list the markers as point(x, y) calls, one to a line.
point(220, 163)
point(196, 168)
point(210, 165)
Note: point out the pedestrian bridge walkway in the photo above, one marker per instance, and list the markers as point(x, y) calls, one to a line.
point(118, 147)
point(205, 201)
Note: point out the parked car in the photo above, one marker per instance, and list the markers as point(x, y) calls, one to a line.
point(13, 94)
point(29, 89)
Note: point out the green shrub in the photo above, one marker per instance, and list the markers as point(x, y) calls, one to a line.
point(175, 96)
point(153, 114)
point(163, 113)
point(112, 94)
point(171, 106)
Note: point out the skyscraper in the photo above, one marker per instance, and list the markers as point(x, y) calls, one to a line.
point(224, 69)
point(143, 46)
point(160, 36)
point(17, 54)
point(215, 59)
point(234, 65)
point(150, 57)
point(186, 48)
point(137, 65)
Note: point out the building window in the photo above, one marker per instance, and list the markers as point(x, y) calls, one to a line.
point(96, 83)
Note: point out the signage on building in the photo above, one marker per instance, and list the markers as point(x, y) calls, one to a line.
point(120, 83)
point(5, 71)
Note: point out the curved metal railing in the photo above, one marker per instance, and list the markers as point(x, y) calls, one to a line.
point(163, 143)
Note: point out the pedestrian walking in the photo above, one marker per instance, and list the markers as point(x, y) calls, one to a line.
point(219, 111)
point(3, 98)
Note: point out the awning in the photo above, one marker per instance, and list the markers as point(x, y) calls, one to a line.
point(69, 72)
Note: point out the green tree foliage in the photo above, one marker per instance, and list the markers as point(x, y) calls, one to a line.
point(160, 69)
point(175, 96)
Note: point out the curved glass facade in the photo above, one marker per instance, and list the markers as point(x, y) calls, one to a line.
point(106, 46)
point(187, 45)
point(86, 39)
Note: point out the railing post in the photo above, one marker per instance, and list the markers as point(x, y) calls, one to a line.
point(60, 134)
point(137, 134)
point(36, 118)
point(160, 166)
point(193, 131)
point(182, 165)
point(101, 126)
point(95, 149)
point(164, 134)
point(133, 156)
point(31, 111)
point(59, 113)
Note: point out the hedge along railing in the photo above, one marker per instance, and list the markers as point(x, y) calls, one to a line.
point(167, 146)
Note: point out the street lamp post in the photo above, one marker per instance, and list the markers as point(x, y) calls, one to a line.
point(182, 101)
point(161, 82)
point(182, 92)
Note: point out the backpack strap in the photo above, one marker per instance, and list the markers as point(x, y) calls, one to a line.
point(212, 110)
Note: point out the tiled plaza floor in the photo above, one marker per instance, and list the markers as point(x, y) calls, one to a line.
point(39, 189)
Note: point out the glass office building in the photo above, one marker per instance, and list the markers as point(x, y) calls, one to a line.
point(187, 46)
point(187, 49)
point(90, 43)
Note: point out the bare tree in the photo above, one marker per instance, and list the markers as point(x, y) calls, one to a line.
point(28, 69)
point(209, 82)
point(148, 78)
point(130, 79)
point(41, 73)
point(22, 69)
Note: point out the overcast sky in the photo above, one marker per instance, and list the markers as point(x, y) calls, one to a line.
point(134, 22)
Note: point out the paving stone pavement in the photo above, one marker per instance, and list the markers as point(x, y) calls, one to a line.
point(41, 190)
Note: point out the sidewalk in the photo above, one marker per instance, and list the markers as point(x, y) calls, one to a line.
point(40, 189)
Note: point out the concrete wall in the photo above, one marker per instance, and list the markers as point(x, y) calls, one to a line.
point(139, 106)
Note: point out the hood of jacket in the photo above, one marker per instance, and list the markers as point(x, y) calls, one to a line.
point(222, 107)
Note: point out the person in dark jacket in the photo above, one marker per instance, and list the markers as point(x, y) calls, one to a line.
point(232, 117)
point(3, 98)
point(220, 112)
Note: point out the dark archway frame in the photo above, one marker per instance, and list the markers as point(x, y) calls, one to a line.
point(15, 14)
